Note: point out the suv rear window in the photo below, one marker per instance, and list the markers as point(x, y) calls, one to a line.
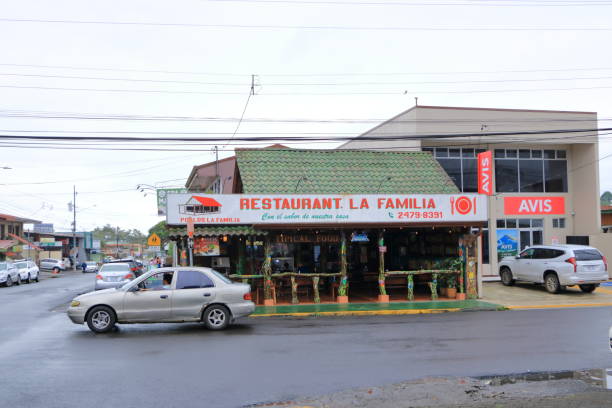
point(115, 268)
point(587, 255)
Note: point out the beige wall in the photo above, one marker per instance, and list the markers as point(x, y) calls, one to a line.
point(603, 242)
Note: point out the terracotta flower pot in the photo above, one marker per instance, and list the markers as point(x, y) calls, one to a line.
point(452, 292)
point(268, 302)
point(460, 296)
point(443, 291)
point(383, 298)
point(342, 299)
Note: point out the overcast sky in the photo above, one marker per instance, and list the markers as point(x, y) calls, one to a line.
point(314, 60)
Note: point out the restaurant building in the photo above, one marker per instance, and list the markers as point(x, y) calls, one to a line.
point(334, 225)
point(545, 170)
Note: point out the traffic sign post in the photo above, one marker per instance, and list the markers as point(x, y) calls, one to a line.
point(154, 240)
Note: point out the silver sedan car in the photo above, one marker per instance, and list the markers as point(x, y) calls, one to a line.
point(166, 295)
point(114, 275)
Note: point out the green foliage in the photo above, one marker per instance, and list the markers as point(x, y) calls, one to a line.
point(454, 263)
point(110, 234)
point(606, 198)
point(161, 230)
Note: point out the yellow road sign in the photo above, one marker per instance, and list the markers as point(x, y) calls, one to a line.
point(154, 240)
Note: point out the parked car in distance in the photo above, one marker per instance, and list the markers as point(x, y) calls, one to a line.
point(557, 266)
point(114, 275)
point(9, 274)
point(166, 295)
point(54, 265)
point(91, 266)
point(28, 271)
point(134, 267)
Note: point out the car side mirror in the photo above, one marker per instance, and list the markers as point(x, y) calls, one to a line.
point(134, 288)
point(517, 257)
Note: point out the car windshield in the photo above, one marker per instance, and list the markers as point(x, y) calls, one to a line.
point(21, 265)
point(220, 276)
point(91, 263)
point(115, 268)
point(587, 255)
point(3, 266)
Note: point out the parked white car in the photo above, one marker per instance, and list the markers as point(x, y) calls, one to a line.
point(9, 274)
point(55, 265)
point(557, 266)
point(28, 271)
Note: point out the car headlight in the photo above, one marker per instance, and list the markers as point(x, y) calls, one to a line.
point(75, 303)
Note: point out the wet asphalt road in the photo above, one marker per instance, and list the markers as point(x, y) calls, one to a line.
point(49, 362)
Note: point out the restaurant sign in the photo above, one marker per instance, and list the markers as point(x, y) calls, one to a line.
point(324, 209)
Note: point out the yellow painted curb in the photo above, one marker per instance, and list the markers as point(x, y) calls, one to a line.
point(362, 312)
point(558, 306)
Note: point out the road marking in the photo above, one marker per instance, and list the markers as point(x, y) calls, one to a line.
point(362, 312)
point(558, 306)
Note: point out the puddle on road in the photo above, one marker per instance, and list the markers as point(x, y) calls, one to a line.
point(598, 377)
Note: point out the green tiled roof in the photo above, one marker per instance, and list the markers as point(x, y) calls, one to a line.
point(293, 171)
point(230, 230)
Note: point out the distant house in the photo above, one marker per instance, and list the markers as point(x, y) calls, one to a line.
point(12, 240)
point(606, 218)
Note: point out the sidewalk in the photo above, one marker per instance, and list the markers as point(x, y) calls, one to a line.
point(374, 308)
point(531, 296)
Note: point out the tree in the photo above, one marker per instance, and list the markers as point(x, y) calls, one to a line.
point(161, 231)
point(606, 198)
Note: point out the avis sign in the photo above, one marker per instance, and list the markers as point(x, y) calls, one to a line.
point(485, 173)
point(230, 209)
point(534, 205)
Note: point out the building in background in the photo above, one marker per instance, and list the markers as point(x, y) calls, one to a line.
point(545, 170)
point(13, 244)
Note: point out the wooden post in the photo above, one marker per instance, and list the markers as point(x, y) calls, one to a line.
point(343, 288)
point(382, 296)
point(434, 286)
point(241, 256)
point(294, 296)
point(410, 280)
point(315, 289)
point(267, 272)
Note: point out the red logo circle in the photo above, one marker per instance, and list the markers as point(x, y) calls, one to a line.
point(463, 205)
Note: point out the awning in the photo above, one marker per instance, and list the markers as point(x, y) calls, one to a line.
point(25, 241)
point(231, 230)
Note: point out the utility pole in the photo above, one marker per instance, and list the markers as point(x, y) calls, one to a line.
point(74, 250)
point(117, 239)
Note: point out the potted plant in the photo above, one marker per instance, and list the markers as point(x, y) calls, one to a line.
point(451, 290)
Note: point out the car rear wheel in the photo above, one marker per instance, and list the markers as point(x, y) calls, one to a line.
point(551, 281)
point(217, 317)
point(56, 270)
point(37, 278)
point(506, 277)
point(101, 319)
point(9, 281)
point(28, 279)
point(587, 288)
point(18, 281)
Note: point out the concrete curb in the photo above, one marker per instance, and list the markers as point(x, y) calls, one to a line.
point(561, 306)
point(378, 312)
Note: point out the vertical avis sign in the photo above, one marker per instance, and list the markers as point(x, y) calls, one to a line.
point(485, 173)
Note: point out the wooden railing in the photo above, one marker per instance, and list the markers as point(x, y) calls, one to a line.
point(433, 285)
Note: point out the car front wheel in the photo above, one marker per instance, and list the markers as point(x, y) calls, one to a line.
point(551, 281)
point(216, 317)
point(101, 319)
point(587, 288)
point(28, 279)
point(9, 282)
point(506, 277)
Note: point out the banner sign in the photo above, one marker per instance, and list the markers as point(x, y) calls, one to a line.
point(507, 243)
point(534, 205)
point(324, 209)
point(206, 246)
point(485, 173)
point(43, 228)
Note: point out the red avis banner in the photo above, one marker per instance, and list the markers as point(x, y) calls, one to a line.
point(485, 173)
point(534, 205)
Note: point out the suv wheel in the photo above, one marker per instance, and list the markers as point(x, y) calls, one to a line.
point(101, 319)
point(28, 279)
point(587, 288)
point(216, 317)
point(551, 281)
point(18, 281)
point(37, 278)
point(9, 281)
point(506, 276)
point(56, 270)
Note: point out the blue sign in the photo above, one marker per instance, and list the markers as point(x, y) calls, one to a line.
point(507, 243)
point(359, 237)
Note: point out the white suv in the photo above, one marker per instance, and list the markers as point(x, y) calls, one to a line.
point(556, 266)
point(55, 265)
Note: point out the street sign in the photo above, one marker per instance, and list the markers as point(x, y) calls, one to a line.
point(190, 227)
point(382, 249)
point(154, 248)
point(154, 240)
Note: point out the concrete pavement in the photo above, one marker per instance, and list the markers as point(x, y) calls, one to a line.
point(50, 362)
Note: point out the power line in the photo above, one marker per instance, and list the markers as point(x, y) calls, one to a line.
point(303, 27)
point(533, 3)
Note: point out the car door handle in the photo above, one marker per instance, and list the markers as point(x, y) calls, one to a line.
point(163, 296)
point(207, 294)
